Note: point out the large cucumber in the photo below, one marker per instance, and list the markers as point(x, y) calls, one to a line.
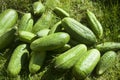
point(107, 46)
point(26, 22)
point(86, 64)
point(16, 61)
point(36, 61)
point(78, 31)
point(95, 25)
point(50, 42)
point(106, 61)
point(8, 19)
point(7, 38)
point(67, 59)
point(60, 12)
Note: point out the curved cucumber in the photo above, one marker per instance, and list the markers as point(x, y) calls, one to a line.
point(106, 61)
point(67, 59)
point(86, 64)
point(50, 42)
point(95, 25)
point(78, 31)
point(15, 63)
point(36, 61)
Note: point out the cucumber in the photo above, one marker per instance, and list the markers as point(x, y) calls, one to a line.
point(7, 38)
point(95, 25)
point(67, 59)
point(43, 22)
point(26, 36)
point(78, 31)
point(60, 12)
point(26, 23)
point(15, 64)
point(106, 61)
point(8, 19)
point(50, 42)
point(36, 61)
point(107, 46)
point(43, 32)
point(55, 28)
point(38, 8)
point(85, 65)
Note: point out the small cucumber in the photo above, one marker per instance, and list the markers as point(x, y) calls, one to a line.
point(15, 64)
point(36, 61)
point(60, 12)
point(8, 19)
point(95, 25)
point(43, 22)
point(107, 46)
point(86, 64)
point(78, 31)
point(67, 59)
point(106, 61)
point(43, 32)
point(26, 36)
point(7, 38)
point(55, 28)
point(50, 42)
point(38, 8)
point(26, 23)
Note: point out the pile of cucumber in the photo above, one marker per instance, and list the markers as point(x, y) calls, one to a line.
point(75, 45)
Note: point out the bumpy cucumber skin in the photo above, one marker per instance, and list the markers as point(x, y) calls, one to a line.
point(36, 61)
point(15, 63)
point(95, 25)
point(86, 64)
point(38, 8)
point(60, 12)
point(26, 23)
point(106, 61)
point(107, 46)
point(7, 38)
point(50, 42)
point(43, 22)
point(26, 36)
point(8, 19)
point(78, 31)
point(67, 59)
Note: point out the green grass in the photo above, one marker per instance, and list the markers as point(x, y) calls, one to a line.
point(107, 12)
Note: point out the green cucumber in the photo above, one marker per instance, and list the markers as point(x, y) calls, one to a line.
point(26, 23)
point(55, 28)
point(16, 61)
point(7, 38)
point(60, 12)
point(50, 42)
point(67, 59)
point(38, 8)
point(8, 19)
point(107, 46)
point(95, 25)
point(78, 31)
point(43, 32)
point(86, 64)
point(43, 22)
point(26, 36)
point(36, 61)
point(106, 61)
